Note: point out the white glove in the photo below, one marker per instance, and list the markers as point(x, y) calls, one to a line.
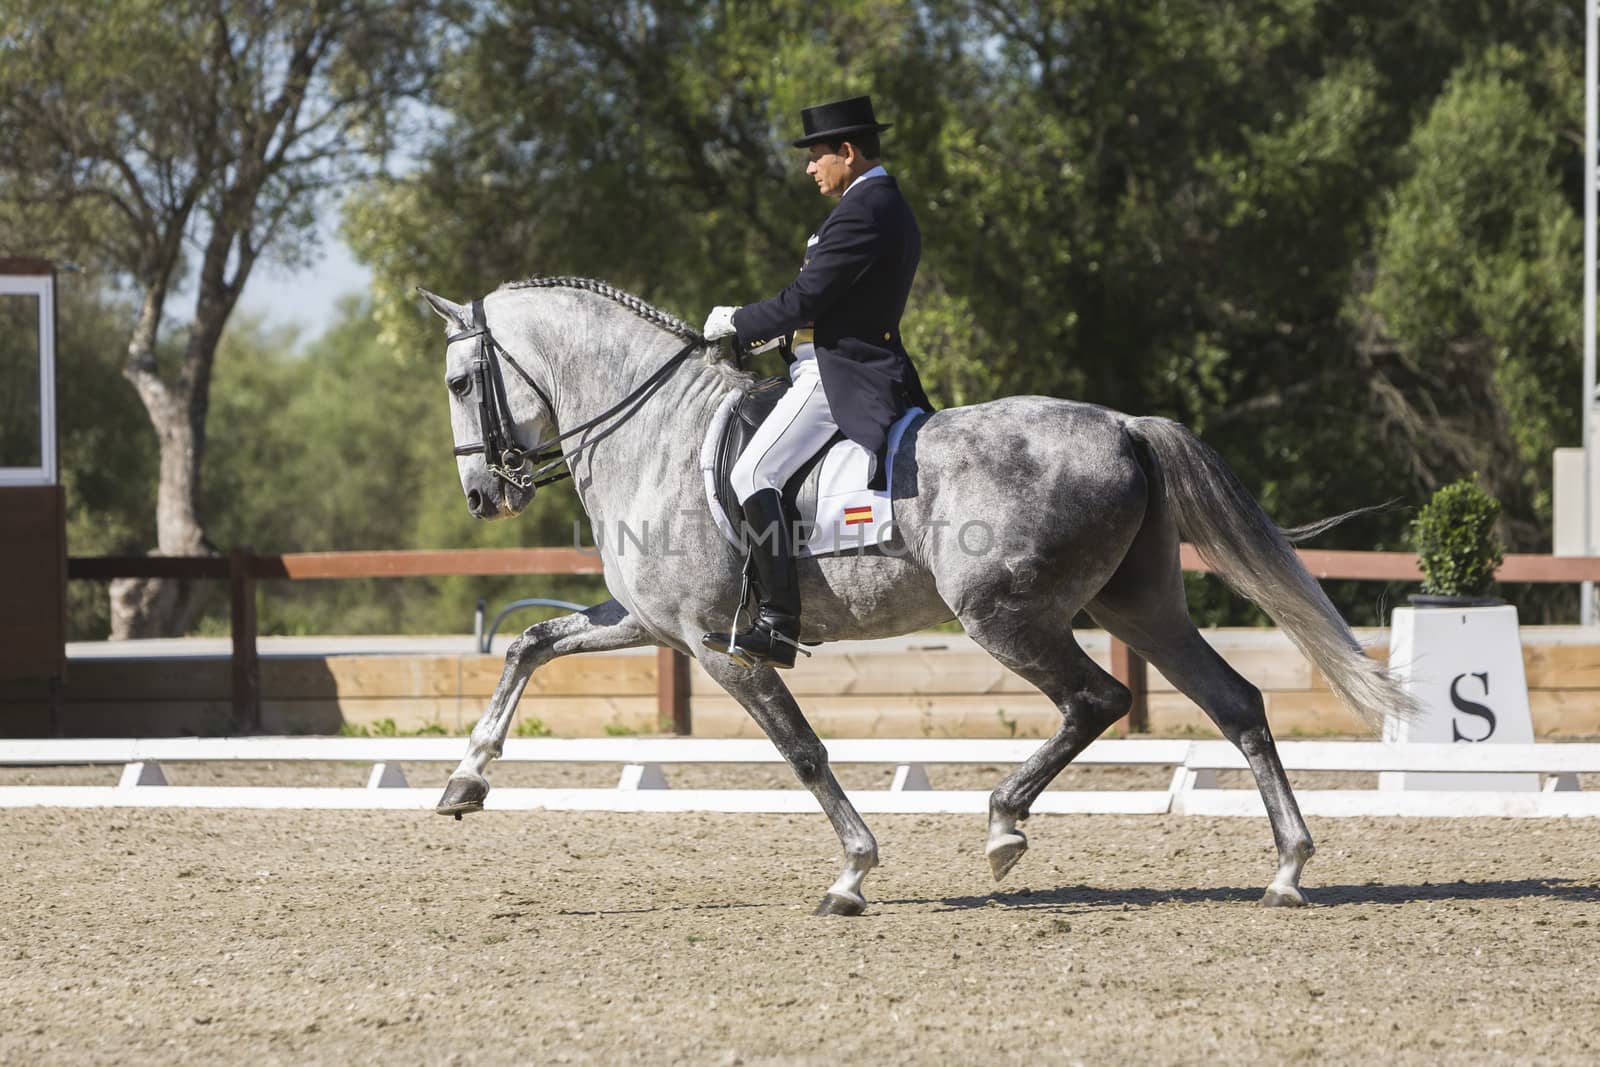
point(719, 324)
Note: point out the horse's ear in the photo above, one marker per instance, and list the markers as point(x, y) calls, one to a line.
point(453, 314)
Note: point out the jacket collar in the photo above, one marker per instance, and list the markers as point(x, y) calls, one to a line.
point(875, 172)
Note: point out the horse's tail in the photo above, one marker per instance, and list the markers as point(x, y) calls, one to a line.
point(1246, 548)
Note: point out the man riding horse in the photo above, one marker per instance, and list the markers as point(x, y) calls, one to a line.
point(624, 396)
point(850, 373)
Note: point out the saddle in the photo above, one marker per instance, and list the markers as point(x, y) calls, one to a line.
point(800, 493)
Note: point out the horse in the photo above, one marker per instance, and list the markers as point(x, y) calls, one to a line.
point(1085, 505)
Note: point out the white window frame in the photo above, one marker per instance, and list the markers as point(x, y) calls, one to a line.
point(43, 287)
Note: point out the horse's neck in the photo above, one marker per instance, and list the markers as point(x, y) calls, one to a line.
point(657, 447)
point(590, 383)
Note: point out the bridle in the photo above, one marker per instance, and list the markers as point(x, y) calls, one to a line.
point(502, 455)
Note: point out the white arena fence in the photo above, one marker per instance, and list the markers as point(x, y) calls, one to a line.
point(642, 786)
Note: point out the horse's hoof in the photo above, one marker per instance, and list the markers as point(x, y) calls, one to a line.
point(1004, 850)
point(1283, 896)
point(840, 904)
point(463, 794)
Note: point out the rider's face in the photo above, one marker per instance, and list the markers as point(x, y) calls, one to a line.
point(832, 170)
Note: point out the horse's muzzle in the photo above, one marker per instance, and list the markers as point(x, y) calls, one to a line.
point(498, 502)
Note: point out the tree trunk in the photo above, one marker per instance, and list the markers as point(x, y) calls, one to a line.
point(164, 607)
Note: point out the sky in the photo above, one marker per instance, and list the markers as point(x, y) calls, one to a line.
point(307, 297)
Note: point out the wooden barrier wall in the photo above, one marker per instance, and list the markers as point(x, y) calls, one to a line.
point(243, 569)
point(930, 685)
point(33, 581)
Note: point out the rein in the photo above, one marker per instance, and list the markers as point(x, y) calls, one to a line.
point(502, 455)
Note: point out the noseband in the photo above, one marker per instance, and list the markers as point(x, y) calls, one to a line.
point(502, 455)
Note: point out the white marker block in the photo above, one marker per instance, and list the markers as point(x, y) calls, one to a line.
point(145, 773)
point(387, 776)
point(910, 776)
point(1186, 778)
point(642, 776)
point(1464, 666)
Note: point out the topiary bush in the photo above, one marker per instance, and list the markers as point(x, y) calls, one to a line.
point(1455, 541)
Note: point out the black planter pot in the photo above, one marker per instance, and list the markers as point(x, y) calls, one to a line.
point(1436, 600)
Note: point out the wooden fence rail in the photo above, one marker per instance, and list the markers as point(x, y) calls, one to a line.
point(242, 569)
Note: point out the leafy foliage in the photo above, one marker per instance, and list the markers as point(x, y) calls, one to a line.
point(1338, 239)
point(142, 134)
point(1455, 541)
point(388, 728)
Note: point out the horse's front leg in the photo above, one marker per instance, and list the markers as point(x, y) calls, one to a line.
point(599, 629)
point(763, 694)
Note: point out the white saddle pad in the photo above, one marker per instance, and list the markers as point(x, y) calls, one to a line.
point(849, 516)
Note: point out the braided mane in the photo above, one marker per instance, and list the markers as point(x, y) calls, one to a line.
point(655, 316)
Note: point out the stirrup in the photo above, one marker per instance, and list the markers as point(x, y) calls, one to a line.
point(750, 659)
point(728, 643)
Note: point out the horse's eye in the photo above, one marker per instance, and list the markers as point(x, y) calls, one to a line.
point(461, 384)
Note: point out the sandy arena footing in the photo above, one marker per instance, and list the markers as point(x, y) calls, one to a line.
point(292, 937)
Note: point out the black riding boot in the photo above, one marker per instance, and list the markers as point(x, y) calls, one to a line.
point(772, 636)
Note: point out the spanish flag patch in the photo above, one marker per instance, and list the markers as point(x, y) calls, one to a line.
point(857, 516)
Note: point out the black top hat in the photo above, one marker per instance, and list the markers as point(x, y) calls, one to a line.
point(833, 122)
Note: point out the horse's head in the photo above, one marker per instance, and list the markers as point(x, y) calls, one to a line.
point(491, 418)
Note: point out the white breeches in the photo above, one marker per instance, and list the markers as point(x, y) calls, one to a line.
point(799, 425)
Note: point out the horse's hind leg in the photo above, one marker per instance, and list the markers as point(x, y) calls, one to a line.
point(1046, 654)
point(1147, 610)
point(1235, 705)
point(762, 693)
point(601, 628)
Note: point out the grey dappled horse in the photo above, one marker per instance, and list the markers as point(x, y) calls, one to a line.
point(1083, 506)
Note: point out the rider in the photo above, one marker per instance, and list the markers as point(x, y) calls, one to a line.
point(850, 371)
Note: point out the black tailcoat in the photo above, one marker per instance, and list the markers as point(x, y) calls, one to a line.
point(852, 291)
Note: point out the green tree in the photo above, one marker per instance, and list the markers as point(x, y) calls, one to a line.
point(139, 131)
point(1258, 218)
point(1473, 327)
point(639, 142)
point(1184, 209)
